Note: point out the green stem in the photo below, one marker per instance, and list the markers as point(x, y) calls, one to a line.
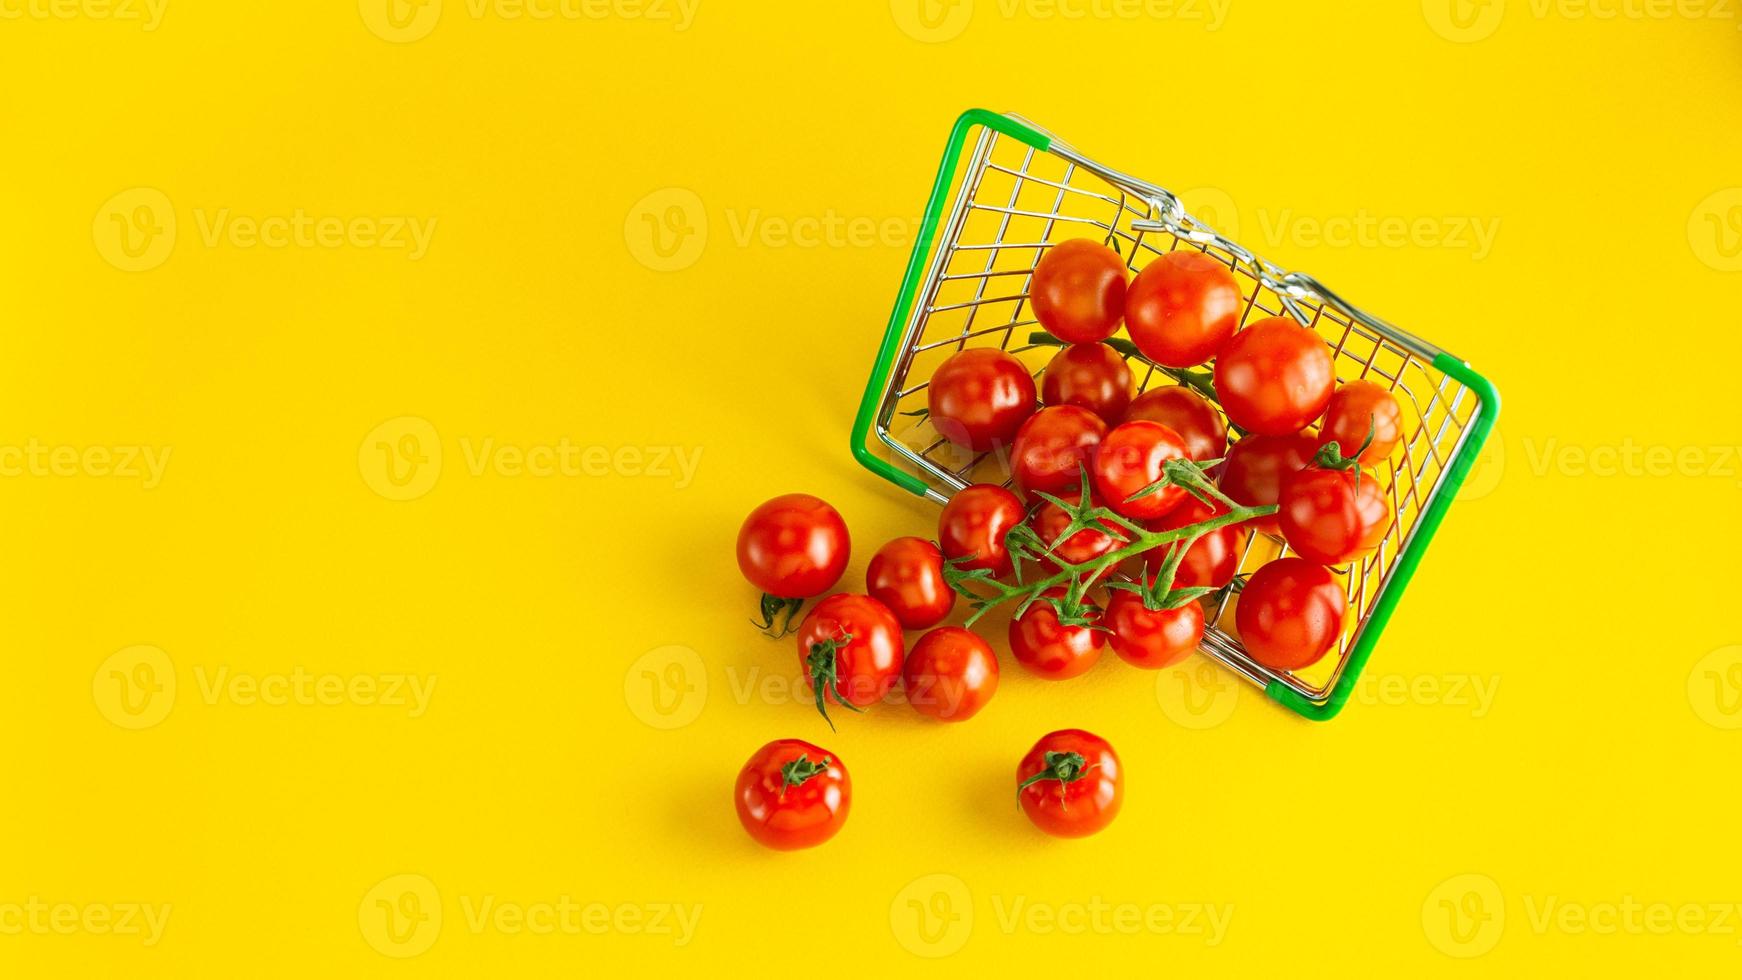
point(1200, 381)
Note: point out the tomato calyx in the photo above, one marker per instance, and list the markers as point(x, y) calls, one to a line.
point(1066, 767)
point(1158, 592)
point(773, 606)
point(799, 770)
point(1330, 456)
point(825, 670)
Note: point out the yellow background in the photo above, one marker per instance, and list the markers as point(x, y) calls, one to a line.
point(1594, 604)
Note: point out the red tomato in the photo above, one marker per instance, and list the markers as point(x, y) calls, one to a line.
point(1189, 414)
point(1053, 447)
point(1131, 458)
point(1358, 408)
point(950, 674)
point(1048, 648)
point(1181, 308)
point(1290, 613)
point(794, 546)
point(1078, 291)
point(1274, 377)
point(979, 397)
point(1256, 465)
point(1212, 560)
point(1152, 638)
point(1326, 517)
point(1070, 783)
point(975, 521)
point(1050, 520)
point(791, 795)
point(907, 575)
point(850, 649)
point(1092, 376)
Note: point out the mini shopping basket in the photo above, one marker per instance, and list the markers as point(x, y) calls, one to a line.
point(987, 222)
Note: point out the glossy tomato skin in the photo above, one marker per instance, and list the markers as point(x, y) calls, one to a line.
point(1330, 518)
point(1152, 638)
point(1274, 377)
point(794, 546)
point(789, 817)
point(1078, 291)
point(950, 674)
point(1083, 806)
point(979, 397)
point(1050, 649)
point(907, 575)
point(1091, 376)
point(1050, 520)
point(1053, 446)
point(1290, 613)
point(1182, 308)
point(1357, 408)
point(1255, 469)
point(1212, 559)
point(1189, 414)
point(867, 665)
point(1132, 457)
point(975, 521)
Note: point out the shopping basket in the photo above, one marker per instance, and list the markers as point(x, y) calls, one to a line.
point(988, 220)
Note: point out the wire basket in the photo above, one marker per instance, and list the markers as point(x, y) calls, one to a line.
point(986, 224)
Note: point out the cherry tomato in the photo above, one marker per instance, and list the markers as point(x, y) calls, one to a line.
point(1078, 291)
point(907, 575)
point(1256, 465)
point(794, 546)
point(1330, 517)
point(1051, 649)
point(850, 649)
point(1181, 308)
point(1290, 613)
point(1189, 414)
point(979, 397)
point(792, 795)
point(1212, 559)
point(1131, 458)
point(1274, 377)
point(975, 521)
point(1087, 544)
point(1053, 446)
point(1092, 376)
point(1356, 409)
point(1070, 783)
point(1152, 638)
point(950, 674)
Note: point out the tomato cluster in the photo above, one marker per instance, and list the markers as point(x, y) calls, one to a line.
point(1125, 514)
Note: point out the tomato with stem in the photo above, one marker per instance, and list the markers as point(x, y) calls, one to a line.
point(792, 547)
point(1078, 290)
point(1182, 308)
point(950, 674)
point(850, 649)
point(1256, 467)
point(1152, 638)
point(907, 575)
point(1290, 613)
point(1091, 376)
point(1052, 448)
point(1274, 377)
point(1190, 415)
point(792, 794)
point(972, 526)
point(1333, 512)
point(1050, 522)
point(1365, 422)
point(1131, 459)
point(1070, 784)
point(1053, 649)
point(979, 397)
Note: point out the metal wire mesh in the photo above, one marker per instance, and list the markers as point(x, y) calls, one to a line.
point(1013, 201)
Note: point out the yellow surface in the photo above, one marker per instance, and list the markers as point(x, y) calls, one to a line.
point(402, 467)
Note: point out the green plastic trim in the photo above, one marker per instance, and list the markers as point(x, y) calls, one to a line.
point(1424, 533)
point(890, 348)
